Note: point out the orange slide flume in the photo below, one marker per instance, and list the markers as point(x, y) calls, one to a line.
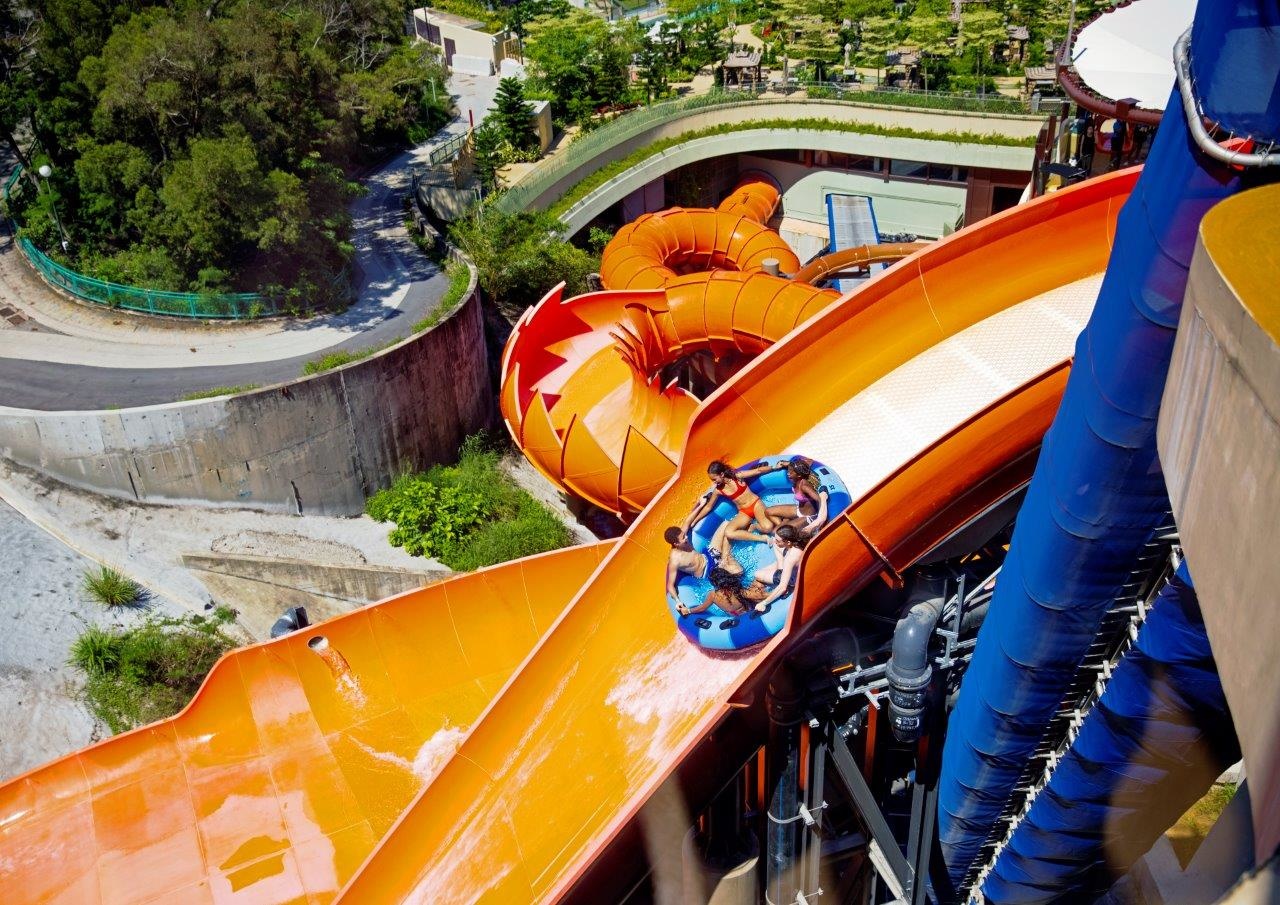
point(928, 391)
point(560, 680)
point(584, 386)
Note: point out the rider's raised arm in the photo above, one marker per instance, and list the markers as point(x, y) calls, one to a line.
point(704, 505)
point(746, 474)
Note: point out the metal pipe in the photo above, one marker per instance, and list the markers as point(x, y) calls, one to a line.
point(1195, 119)
point(858, 256)
point(805, 675)
point(294, 618)
point(909, 671)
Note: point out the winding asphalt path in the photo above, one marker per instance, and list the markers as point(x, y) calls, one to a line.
point(42, 367)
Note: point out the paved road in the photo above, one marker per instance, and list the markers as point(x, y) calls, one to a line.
point(396, 286)
point(52, 386)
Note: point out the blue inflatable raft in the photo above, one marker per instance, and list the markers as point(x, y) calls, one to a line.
point(713, 628)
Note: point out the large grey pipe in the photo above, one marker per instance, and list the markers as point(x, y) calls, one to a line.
point(807, 676)
point(909, 671)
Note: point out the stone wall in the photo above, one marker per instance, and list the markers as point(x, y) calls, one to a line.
point(317, 445)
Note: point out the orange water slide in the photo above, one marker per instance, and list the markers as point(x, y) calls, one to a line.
point(585, 390)
point(931, 386)
point(288, 766)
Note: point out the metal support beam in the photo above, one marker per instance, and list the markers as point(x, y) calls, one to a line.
point(884, 848)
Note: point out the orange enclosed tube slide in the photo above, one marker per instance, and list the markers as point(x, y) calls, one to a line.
point(583, 390)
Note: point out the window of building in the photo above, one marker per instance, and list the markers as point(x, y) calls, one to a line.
point(908, 169)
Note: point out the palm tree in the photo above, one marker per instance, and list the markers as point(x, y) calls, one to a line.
point(983, 29)
point(932, 35)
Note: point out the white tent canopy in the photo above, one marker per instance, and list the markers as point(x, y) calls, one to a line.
point(1128, 52)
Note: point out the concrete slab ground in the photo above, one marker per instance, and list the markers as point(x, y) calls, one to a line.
point(42, 611)
point(147, 542)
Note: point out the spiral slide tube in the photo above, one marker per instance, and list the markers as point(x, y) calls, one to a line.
point(582, 378)
point(1097, 496)
point(1158, 737)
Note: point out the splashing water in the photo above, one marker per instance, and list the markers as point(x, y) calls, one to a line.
point(431, 757)
point(668, 689)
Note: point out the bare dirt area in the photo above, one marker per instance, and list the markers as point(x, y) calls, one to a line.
point(42, 611)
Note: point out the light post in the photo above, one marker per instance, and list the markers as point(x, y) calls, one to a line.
point(45, 172)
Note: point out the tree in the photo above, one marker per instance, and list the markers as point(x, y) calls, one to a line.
point(931, 34)
point(651, 61)
point(487, 153)
point(982, 30)
point(519, 257)
point(579, 62)
point(880, 35)
point(559, 54)
point(511, 116)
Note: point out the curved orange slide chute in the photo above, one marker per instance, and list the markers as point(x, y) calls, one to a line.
point(585, 390)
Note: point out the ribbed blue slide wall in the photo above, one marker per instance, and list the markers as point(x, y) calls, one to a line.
point(1158, 737)
point(1096, 497)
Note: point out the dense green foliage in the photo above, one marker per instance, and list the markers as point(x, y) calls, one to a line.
point(142, 674)
point(207, 147)
point(579, 62)
point(467, 515)
point(110, 588)
point(520, 256)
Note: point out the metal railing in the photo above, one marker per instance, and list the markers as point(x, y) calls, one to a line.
point(221, 306)
point(585, 148)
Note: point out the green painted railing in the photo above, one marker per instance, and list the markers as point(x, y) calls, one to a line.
point(225, 306)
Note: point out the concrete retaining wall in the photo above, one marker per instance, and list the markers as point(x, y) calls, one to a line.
point(317, 445)
point(262, 587)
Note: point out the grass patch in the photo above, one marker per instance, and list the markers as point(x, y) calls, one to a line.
point(609, 171)
point(343, 357)
point(467, 515)
point(1186, 835)
point(459, 279)
point(219, 391)
point(142, 674)
point(111, 588)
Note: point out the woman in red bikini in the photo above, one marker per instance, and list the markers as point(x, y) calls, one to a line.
point(732, 485)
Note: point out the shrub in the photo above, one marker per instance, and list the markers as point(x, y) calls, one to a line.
point(467, 515)
point(110, 588)
point(459, 279)
point(520, 256)
point(340, 358)
point(218, 391)
point(146, 673)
